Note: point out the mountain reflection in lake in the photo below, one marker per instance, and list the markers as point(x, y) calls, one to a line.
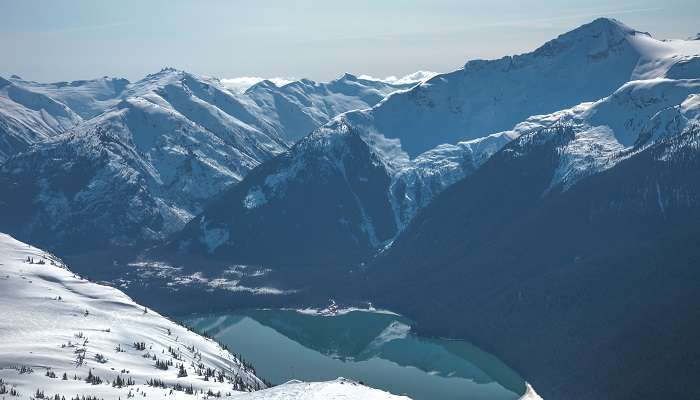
point(375, 348)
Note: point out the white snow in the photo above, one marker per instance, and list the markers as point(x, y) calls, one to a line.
point(338, 389)
point(335, 311)
point(489, 96)
point(88, 98)
point(297, 108)
point(27, 117)
point(635, 116)
point(530, 393)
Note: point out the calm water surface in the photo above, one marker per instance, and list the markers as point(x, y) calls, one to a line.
point(375, 348)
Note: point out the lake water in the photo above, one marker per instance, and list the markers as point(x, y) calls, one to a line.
point(375, 348)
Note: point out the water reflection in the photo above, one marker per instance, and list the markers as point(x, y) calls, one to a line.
point(376, 348)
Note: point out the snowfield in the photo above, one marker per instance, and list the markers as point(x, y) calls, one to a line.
point(338, 389)
point(55, 324)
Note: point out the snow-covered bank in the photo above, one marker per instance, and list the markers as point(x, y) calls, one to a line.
point(340, 388)
point(530, 394)
point(63, 335)
point(333, 309)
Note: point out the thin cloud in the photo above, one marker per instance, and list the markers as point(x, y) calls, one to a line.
point(451, 31)
point(242, 83)
point(90, 27)
point(537, 22)
point(418, 76)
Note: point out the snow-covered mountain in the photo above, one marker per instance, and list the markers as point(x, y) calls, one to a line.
point(140, 169)
point(28, 117)
point(87, 98)
point(63, 335)
point(365, 174)
point(299, 107)
point(135, 161)
point(31, 112)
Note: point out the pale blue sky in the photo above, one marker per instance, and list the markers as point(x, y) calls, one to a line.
point(51, 40)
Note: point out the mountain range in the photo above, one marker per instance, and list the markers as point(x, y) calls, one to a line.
point(112, 163)
point(350, 187)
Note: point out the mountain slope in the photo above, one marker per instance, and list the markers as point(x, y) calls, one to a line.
point(27, 117)
point(557, 260)
point(55, 321)
point(410, 145)
point(351, 174)
point(87, 98)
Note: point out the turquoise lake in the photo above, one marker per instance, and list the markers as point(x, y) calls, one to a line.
point(377, 349)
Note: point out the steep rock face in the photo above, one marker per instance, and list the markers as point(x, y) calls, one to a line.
point(296, 204)
point(415, 133)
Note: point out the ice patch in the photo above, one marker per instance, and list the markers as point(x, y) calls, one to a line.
point(213, 237)
point(396, 330)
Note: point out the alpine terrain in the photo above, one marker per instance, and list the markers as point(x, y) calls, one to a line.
point(519, 223)
point(350, 187)
point(114, 163)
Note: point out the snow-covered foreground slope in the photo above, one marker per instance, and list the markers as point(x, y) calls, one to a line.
point(54, 323)
point(380, 166)
point(332, 390)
